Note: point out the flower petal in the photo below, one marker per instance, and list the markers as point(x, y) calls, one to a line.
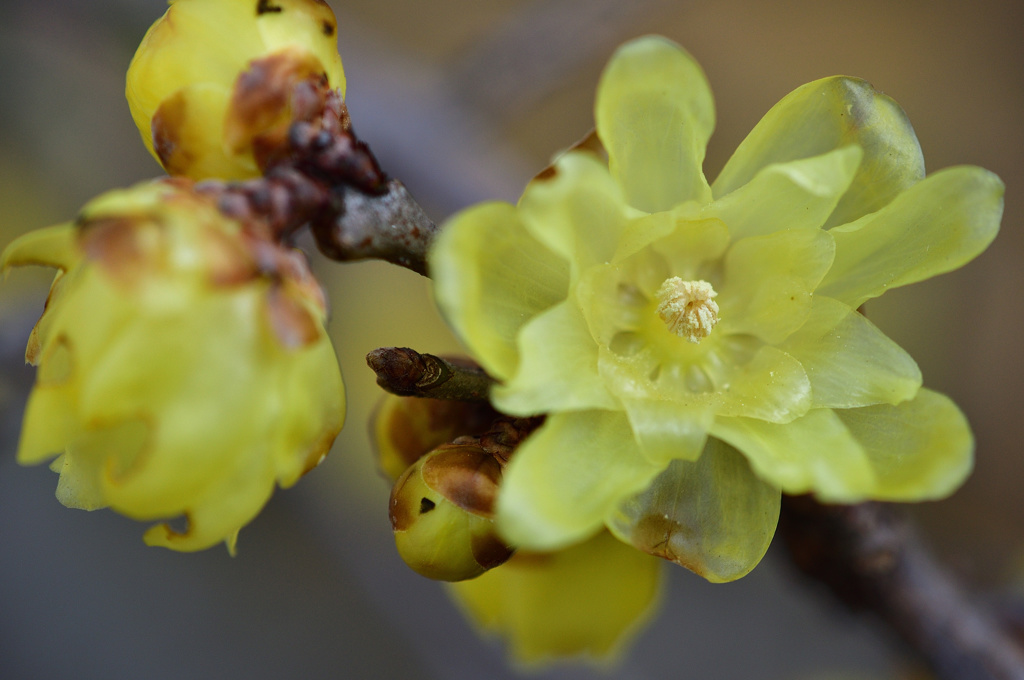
point(849, 361)
point(769, 281)
point(587, 599)
point(567, 476)
point(772, 386)
point(712, 516)
point(829, 114)
point(921, 449)
point(654, 114)
point(576, 209)
point(936, 226)
point(490, 278)
point(917, 450)
point(669, 429)
point(794, 195)
point(812, 453)
point(50, 247)
point(557, 366)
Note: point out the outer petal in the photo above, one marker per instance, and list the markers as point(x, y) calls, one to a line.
point(667, 429)
point(769, 281)
point(566, 478)
point(587, 599)
point(934, 227)
point(654, 114)
point(712, 516)
point(557, 367)
point(917, 450)
point(794, 195)
point(813, 453)
point(50, 247)
point(576, 209)
point(828, 114)
point(490, 278)
point(849, 361)
point(920, 449)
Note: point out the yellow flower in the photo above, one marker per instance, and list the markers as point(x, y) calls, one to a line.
point(698, 347)
point(587, 600)
point(183, 365)
point(215, 83)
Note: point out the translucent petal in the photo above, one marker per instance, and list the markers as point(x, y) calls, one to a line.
point(692, 246)
point(769, 281)
point(654, 114)
point(575, 209)
point(669, 429)
point(812, 453)
point(587, 599)
point(50, 247)
point(567, 476)
point(849, 361)
point(797, 194)
point(712, 516)
point(772, 386)
point(936, 226)
point(917, 450)
point(490, 278)
point(920, 449)
point(557, 367)
point(825, 115)
point(309, 25)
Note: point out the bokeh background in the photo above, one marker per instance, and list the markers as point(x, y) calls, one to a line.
point(464, 100)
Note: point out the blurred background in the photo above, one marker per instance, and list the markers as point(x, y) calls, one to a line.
point(464, 101)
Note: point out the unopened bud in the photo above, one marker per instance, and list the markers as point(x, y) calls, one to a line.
point(442, 513)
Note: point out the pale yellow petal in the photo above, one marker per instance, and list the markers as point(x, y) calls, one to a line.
point(588, 600)
point(51, 247)
point(557, 367)
point(936, 226)
point(798, 194)
point(654, 114)
point(669, 429)
point(567, 477)
point(850, 362)
point(712, 516)
point(575, 209)
point(829, 114)
point(769, 281)
point(490, 278)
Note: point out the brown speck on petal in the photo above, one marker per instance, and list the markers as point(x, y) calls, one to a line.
point(168, 122)
point(119, 245)
point(293, 324)
point(656, 535)
point(261, 98)
point(489, 551)
point(465, 475)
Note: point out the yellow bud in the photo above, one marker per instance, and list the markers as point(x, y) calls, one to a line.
point(183, 365)
point(442, 511)
point(405, 428)
point(215, 84)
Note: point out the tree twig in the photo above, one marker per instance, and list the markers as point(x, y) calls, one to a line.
point(871, 559)
point(408, 373)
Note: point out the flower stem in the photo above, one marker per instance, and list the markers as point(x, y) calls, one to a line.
point(870, 558)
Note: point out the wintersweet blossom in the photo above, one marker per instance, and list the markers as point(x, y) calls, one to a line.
point(183, 366)
point(697, 347)
point(215, 82)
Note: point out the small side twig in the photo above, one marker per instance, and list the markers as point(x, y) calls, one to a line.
point(389, 226)
point(870, 558)
point(408, 373)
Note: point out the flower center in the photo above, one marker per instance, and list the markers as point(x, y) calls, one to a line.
point(688, 308)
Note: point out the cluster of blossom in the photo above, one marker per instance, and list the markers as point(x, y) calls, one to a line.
point(669, 355)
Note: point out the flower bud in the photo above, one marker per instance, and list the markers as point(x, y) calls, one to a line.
point(215, 84)
point(183, 364)
point(442, 511)
point(405, 428)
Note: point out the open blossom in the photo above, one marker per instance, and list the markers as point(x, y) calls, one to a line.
point(183, 367)
point(216, 83)
point(697, 347)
